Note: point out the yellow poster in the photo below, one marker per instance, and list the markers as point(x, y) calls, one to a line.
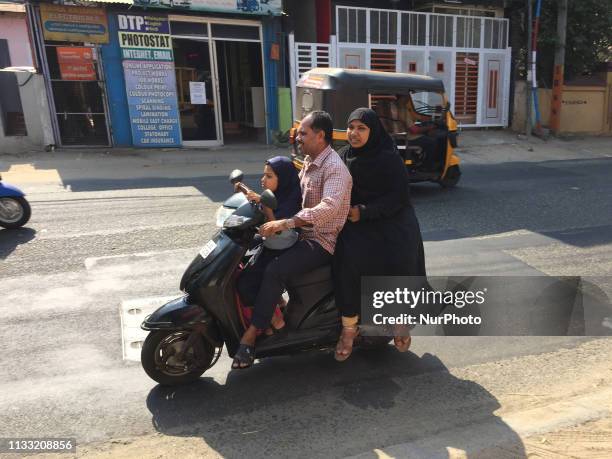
point(74, 23)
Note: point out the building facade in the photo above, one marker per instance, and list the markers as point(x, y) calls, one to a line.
point(24, 114)
point(465, 45)
point(147, 73)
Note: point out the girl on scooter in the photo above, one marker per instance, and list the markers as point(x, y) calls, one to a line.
point(281, 177)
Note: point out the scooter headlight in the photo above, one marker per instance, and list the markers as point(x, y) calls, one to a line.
point(222, 214)
point(234, 220)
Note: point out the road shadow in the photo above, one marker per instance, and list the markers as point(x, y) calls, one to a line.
point(492, 198)
point(310, 406)
point(216, 188)
point(10, 239)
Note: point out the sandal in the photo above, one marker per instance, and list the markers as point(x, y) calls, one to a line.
point(277, 325)
point(344, 348)
point(244, 357)
point(402, 343)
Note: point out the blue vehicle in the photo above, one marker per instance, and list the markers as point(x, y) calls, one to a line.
point(15, 210)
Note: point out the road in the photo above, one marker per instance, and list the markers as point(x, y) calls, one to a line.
point(98, 246)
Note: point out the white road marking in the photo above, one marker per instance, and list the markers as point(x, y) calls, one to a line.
point(133, 313)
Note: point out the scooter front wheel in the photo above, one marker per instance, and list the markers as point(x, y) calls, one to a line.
point(14, 211)
point(176, 357)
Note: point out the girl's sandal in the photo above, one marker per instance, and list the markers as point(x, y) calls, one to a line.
point(344, 348)
point(244, 357)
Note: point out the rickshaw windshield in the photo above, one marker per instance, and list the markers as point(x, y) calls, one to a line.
point(428, 103)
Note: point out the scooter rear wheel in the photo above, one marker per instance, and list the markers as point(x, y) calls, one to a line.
point(160, 360)
point(14, 211)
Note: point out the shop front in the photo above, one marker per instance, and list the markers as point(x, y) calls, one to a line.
point(69, 41)
point(157, 78)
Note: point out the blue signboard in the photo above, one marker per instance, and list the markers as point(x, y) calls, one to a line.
point(151, 92)
point(150, 82)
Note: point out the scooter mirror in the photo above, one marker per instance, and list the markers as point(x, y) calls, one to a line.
point(269, 200)
point(236, 176)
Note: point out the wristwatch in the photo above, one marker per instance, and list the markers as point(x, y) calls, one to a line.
point(290, 222)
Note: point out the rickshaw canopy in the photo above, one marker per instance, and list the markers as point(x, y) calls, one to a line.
point(370, 80)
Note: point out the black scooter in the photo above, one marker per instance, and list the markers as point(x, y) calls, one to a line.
point(187, 334)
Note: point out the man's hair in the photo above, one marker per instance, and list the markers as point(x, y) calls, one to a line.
point(321, 121)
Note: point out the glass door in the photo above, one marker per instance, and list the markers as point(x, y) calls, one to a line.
point(196, 91)
point(77, 84)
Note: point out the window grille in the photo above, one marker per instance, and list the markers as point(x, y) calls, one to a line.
point(441, 30)
point(495, 33)
point(383, 27)
point(413, 29)
point(468, 32)
point(352, 25)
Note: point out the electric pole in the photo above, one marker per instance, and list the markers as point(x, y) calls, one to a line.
point(529, 75)
point(557, 89)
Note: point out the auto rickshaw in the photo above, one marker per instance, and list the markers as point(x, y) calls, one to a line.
point(413, 108)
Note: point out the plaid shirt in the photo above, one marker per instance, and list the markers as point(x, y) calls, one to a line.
point(326, 197)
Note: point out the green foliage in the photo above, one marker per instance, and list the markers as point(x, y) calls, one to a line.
point(588, 42)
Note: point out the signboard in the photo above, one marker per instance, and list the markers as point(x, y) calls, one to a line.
point(266, 7)
point(151, 93)
point(76, 63)
point(150, 80)
point(469, 61)
point(144, 37)
point(73, 23)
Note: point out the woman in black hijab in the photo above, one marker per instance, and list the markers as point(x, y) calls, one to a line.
point(382, 236)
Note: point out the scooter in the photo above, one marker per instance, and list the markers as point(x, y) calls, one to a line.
point(187, 334)
point(15, 210)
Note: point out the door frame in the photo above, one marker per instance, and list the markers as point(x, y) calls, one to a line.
point(212, 49)
point(41, 46)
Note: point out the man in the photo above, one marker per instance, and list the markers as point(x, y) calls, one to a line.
point(326, 195)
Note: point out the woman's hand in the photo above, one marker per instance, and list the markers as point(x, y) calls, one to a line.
point(354, 214)
point(252, 196)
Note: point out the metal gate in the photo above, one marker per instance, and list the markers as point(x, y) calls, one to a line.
point(469, 54)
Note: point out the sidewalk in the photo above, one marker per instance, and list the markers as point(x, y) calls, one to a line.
point(52, 169)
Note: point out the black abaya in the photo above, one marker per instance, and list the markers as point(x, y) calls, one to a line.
point(386, 241)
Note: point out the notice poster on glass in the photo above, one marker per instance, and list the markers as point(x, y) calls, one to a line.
point(197, 92)
point(151, 91)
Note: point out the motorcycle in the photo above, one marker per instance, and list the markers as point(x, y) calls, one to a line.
point(187, 334)
point(15, 210)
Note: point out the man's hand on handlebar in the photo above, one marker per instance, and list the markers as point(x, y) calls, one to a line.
point(273, 227)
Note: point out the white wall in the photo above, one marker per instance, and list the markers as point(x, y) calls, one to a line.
point(14, 29)
point(33, 93)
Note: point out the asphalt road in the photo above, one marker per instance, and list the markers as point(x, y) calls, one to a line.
point(108, 242)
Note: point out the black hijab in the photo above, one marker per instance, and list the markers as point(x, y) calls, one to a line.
point(289, 193)
point(379, 140)
point(376, 167)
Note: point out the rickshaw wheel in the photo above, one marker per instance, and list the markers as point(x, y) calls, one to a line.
point(451, 178)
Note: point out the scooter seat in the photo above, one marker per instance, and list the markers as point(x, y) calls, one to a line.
point(321, 275)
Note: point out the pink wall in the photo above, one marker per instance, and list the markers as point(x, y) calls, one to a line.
point(14, 29)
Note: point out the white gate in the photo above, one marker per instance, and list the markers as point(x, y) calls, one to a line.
point(470, 54)
point(306, 56)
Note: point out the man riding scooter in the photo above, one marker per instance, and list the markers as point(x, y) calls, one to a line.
point(326, 190)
